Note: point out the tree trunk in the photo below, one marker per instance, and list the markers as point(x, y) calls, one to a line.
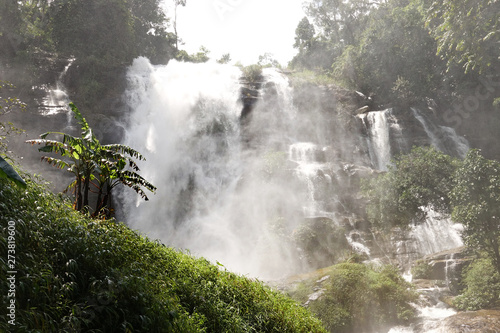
point(78, 194)
point(86, 188)
point(496, 252)
point(99, 203)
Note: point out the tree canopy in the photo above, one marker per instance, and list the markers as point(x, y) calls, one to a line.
point(422, 178)
point(476, 203)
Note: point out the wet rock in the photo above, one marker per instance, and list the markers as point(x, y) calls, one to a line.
point(483, 321)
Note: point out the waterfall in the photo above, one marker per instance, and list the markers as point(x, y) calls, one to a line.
point(437, 233)
point(216, 197)
point(443, 138)
point(226, 183)
point(57, 100)
point(378, 140)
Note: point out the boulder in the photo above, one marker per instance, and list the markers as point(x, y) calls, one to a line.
point(483, 321)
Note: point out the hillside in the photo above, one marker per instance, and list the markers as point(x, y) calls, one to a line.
point(70, 273)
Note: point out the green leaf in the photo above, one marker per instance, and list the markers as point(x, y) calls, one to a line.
point(8, 172)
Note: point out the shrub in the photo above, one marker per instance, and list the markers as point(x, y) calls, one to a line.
point(482, 283)
point(358, 298)
point(421, 270)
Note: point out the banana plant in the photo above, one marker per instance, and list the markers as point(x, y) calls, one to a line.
point(8, 172)
point(116, 167)
point(93, 165)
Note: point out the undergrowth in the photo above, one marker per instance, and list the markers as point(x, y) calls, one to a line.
point(359, 298)
point(76, 274)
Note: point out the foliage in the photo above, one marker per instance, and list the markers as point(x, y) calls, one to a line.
point(421, 270)
point(422, 178)
point(380, 48)
point(468, 32)
point(268, 60)
point(225, 59)
point(78, 274)
point(200, 57)
point(90, 161)
point(252, 73)
point(8, 172)
point(103, 36)
point(476, 203)
point(322, 243)
point(395, 47)
point(7, 105)
point(358, 298)
point(483, 287)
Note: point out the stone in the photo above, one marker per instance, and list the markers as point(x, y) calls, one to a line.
point(482, 321)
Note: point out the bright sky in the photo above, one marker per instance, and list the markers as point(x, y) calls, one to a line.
point(243, 28)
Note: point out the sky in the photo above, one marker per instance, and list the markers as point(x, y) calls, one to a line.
point(243, 28)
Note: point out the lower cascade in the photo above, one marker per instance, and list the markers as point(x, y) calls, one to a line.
point(239, 188)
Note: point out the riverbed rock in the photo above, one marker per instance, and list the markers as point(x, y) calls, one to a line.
point(483, 321)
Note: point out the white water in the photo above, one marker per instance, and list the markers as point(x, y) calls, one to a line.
point(443, 138)
point(437, 233)
point(214, 196)
point(377, 126)
point(57, 98)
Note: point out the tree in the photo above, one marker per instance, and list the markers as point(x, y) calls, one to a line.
point(422, 178)
point(268, 60)
point(394, 47)
point(468, 32)
point(340, 21)
point(476, 203)
point(304, 34)
point(93, 164)
point(225, 59)
point(7, 104)
point(177, 3)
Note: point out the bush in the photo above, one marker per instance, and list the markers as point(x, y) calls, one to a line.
point(358, 298)
point(482, 283)
point(321, 241)
point(421, 270)
point(78, 274)
point(252, 73)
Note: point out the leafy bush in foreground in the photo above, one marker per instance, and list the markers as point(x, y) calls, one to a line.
point(77, 274)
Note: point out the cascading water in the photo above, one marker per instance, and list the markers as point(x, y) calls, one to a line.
point(378, 141)
point(437, 233)
point(215, 196)
point(443, 138)
point(57, 98)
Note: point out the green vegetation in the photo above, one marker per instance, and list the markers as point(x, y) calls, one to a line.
point(422, 178)
point(483, 287)
point(80, 274)
point(375, 46)
point(103, 36)
point(468, 189)
point(476, 204)
point(421, 270)
point(357, 298)
point(321, 241)
point(103, 166)
point(252, 73)
point(7, 105)
point(8, 172)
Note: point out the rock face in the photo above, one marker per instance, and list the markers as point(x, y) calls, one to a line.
point(448, 266)
point(483, 321)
